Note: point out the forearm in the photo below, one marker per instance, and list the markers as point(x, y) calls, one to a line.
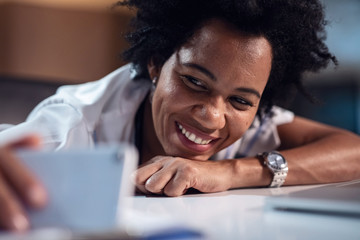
point(334, 158)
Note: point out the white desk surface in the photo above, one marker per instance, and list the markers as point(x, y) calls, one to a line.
point(235, 214)
point(238, 214)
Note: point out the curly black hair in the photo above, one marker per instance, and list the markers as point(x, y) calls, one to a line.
point(295, 30)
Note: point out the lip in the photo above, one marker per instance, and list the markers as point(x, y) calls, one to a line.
point(192, 145)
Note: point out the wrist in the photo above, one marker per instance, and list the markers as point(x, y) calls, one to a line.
point(249, 172)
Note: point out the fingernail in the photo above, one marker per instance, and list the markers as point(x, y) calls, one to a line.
point(133, 177)
point(38, 196)
point(20, 223)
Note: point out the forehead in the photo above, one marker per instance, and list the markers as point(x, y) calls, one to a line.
point(228, 52)
point(221, 38)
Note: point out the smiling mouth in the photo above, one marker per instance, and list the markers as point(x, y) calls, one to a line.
point(192, 137)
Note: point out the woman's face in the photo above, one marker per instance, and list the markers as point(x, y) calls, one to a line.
point(208, 91)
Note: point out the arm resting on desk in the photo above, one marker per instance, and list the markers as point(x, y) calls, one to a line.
point(316, 153)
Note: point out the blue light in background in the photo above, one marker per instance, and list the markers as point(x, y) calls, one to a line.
point(344, 30)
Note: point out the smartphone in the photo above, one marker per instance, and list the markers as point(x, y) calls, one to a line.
point(86, 188)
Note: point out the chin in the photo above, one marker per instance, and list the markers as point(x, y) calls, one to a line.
point(190, 156)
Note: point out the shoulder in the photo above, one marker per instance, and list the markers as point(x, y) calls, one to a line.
point(261, 136)
point(70, 116)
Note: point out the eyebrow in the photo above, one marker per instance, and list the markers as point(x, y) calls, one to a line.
point(201, 69)
point(249, 90)
point(212, 77)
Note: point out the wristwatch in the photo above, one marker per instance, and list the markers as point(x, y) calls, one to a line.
point(277, 164)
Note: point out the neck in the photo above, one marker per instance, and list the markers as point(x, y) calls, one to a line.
point(151, 146)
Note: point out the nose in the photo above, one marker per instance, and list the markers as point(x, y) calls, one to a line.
point(211, 114)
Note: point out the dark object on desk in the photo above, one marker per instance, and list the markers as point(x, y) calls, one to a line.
point(341, 199)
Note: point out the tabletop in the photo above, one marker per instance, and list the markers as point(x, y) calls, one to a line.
point(233, 214)
point(237, 214)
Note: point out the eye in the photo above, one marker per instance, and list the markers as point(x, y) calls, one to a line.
point(193, 83)
point(240, 103)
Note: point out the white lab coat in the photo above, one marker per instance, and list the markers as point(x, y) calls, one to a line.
point(104, 111)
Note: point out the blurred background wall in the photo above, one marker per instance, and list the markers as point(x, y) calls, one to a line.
point(337, 89)
point(47, 43)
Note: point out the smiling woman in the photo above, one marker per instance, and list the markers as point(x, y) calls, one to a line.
point(219, 88)
point(200, 102)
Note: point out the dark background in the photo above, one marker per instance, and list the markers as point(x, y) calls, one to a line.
point(337, 90)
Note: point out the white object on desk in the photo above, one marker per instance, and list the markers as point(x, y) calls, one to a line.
point(86, 188)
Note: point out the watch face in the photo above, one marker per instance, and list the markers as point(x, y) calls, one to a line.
point(276, 161)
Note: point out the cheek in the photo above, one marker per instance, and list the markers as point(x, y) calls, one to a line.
point(240, 123)
point(167, 101)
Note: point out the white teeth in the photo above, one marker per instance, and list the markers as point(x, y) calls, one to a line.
point(192, 137)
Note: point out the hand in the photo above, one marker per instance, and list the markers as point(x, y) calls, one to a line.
point(173, 176)
point(17, 186)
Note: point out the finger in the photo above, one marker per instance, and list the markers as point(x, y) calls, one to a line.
point(24, 183)
point(158, 180)
point(177, 186)
point(31, 141)
point(12, 216)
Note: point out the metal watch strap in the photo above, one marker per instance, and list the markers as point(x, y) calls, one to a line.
point(279, 178)
point(280, 174)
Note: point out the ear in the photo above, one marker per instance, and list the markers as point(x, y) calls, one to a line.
point(154, 71)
